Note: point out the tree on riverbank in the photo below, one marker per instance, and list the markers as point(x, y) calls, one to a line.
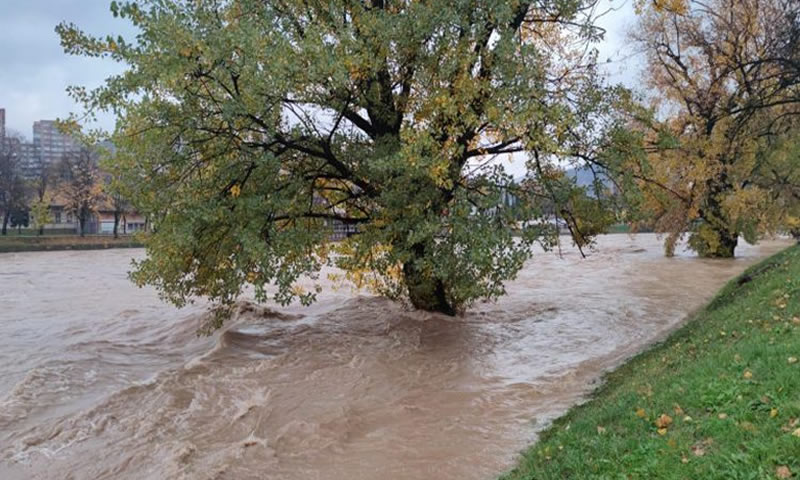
point(41, 185)
point(80, 185)
point(248, 129)
point(728, 83)
point(12, 185)
point(781, 176)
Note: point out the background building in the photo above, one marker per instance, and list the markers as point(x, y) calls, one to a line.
point(48, 147)
point(50, 143)
point(30, 164)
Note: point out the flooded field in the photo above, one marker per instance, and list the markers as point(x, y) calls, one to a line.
point(99, 379)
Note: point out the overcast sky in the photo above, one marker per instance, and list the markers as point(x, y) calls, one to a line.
point(34, 71)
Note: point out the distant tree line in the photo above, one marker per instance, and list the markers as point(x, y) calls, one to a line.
point(76, 182)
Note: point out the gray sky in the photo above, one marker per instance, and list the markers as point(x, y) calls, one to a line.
point(34, 71)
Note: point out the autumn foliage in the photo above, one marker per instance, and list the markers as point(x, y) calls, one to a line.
point(723, 77)
point(250, 130)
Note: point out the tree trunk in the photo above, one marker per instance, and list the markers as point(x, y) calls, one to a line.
point(6, 217)
point(81, 224)
point(426, 293)
point(718, 224)
point(728, 243)
point(116, 224)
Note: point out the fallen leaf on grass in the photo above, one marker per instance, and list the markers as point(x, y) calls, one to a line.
point(790, 425)
point(783, 472)
point(641, 413)
point(747, 375)
point(773, 413)
point(792, 360)
point(664, 421)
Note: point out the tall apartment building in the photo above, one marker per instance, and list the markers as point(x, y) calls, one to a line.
point(48, 147)
point(29, 161)
point(50, 143)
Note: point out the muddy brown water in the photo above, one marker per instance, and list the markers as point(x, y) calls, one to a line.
point(99, 379)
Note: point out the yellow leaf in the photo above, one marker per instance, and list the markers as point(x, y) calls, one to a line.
point(796, 433)
point(773, 413)
point(792, 360)
point(747, 375)
point(662, 431)
point(641, 413)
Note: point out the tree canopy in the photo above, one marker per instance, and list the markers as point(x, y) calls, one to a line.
point(248, 130)
point(726, 77)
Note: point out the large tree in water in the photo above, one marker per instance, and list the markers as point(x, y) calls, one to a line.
point(249, 129)
point(726, 74)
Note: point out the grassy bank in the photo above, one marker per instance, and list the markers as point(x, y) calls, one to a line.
point(14, 243)
point(720, 399)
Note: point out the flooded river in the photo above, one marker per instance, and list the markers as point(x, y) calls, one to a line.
point(99, 379)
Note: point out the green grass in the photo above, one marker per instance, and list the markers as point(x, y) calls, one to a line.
point(729, 380)
point(15, 243)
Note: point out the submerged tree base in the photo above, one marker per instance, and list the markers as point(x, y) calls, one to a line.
point(425, 293)
point(714, 243)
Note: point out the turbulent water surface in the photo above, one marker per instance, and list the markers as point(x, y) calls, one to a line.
point(99, 379)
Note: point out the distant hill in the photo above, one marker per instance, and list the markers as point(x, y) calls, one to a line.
point(583, 176)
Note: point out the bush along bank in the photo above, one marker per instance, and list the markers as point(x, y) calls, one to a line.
point(720, 399)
